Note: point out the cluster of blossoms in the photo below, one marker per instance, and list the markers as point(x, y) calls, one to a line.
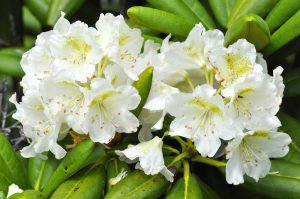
point(79, 79)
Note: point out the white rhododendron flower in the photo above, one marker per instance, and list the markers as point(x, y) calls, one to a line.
point(107, 110)
point(250, 98)
point(249, 153)
point(84, 82)
point(148, 156)
point(200, 116)
point(38, 125)
point(193, 52)
point(235, 62)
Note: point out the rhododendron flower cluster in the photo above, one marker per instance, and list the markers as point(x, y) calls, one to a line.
point(220, 99)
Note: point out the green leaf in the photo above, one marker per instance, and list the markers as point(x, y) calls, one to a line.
point(176, 7)
point(10, 62)
point(87, 184)
point(251, 27)
point(31, 24)
point(191, 10)
point(221, 10)
point(291, 126)
point(11, 169)
point(207, 191)
point(115, 167)
point(2, 196)
point(143, 86)
point(292, 83)
point(98, 154)
point(243, 7)
point(192, 190)
point(283, 182)
point(67, 6)
point(155, 39)
point(40, 171)
point(283, 10)
point(286, 33)
point(159, 20)
point(39, 8)
point(28, 194)
point(72, 162)
point(139, 185)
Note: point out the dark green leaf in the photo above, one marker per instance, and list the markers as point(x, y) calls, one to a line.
point(39, 8)
point(40, 171)
point(87, 184)
point(159, 20)
point(98, 154)
point(251, 27)
point(283, 182)
point(139, 185)
point(11, 170)
point(243, 7)
point(221, 10)
point(292, 83)
point(67, 6)
point(72, 163)
point(31, 24)
point(143, 86)
point(291, 126)
point(286, 33)
point(283, 10)
point(10, 62)
point(191, 190)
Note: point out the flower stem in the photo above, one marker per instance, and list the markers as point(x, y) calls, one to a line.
point(209, 161)
point(178, 158)
point(169, 148)
point(186, 176)
point(182, 143)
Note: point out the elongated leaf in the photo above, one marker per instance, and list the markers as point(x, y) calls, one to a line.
point(40, 171)
point(291, 126)
point(292, 83)
point(39, 8)
point(31, 24)
point(176, 7)
point(283, 10)
point(28, 194)
point(191, 10)
point(143, 86)
point(159, 20)
point(114, 168)
point(139, 185)
point(286, 33)
point(67, 6)
point(192, 190)
point(11, 170)
point(198, 9)
point(73, 161)
point(243, 7)
point(284, 182)
point(207, 191)
point(10, 63)
point(251, 27)
point(98, 154)
point(221, 10)
point(87, 185)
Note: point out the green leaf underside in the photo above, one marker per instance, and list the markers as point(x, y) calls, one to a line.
point(251, 27)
